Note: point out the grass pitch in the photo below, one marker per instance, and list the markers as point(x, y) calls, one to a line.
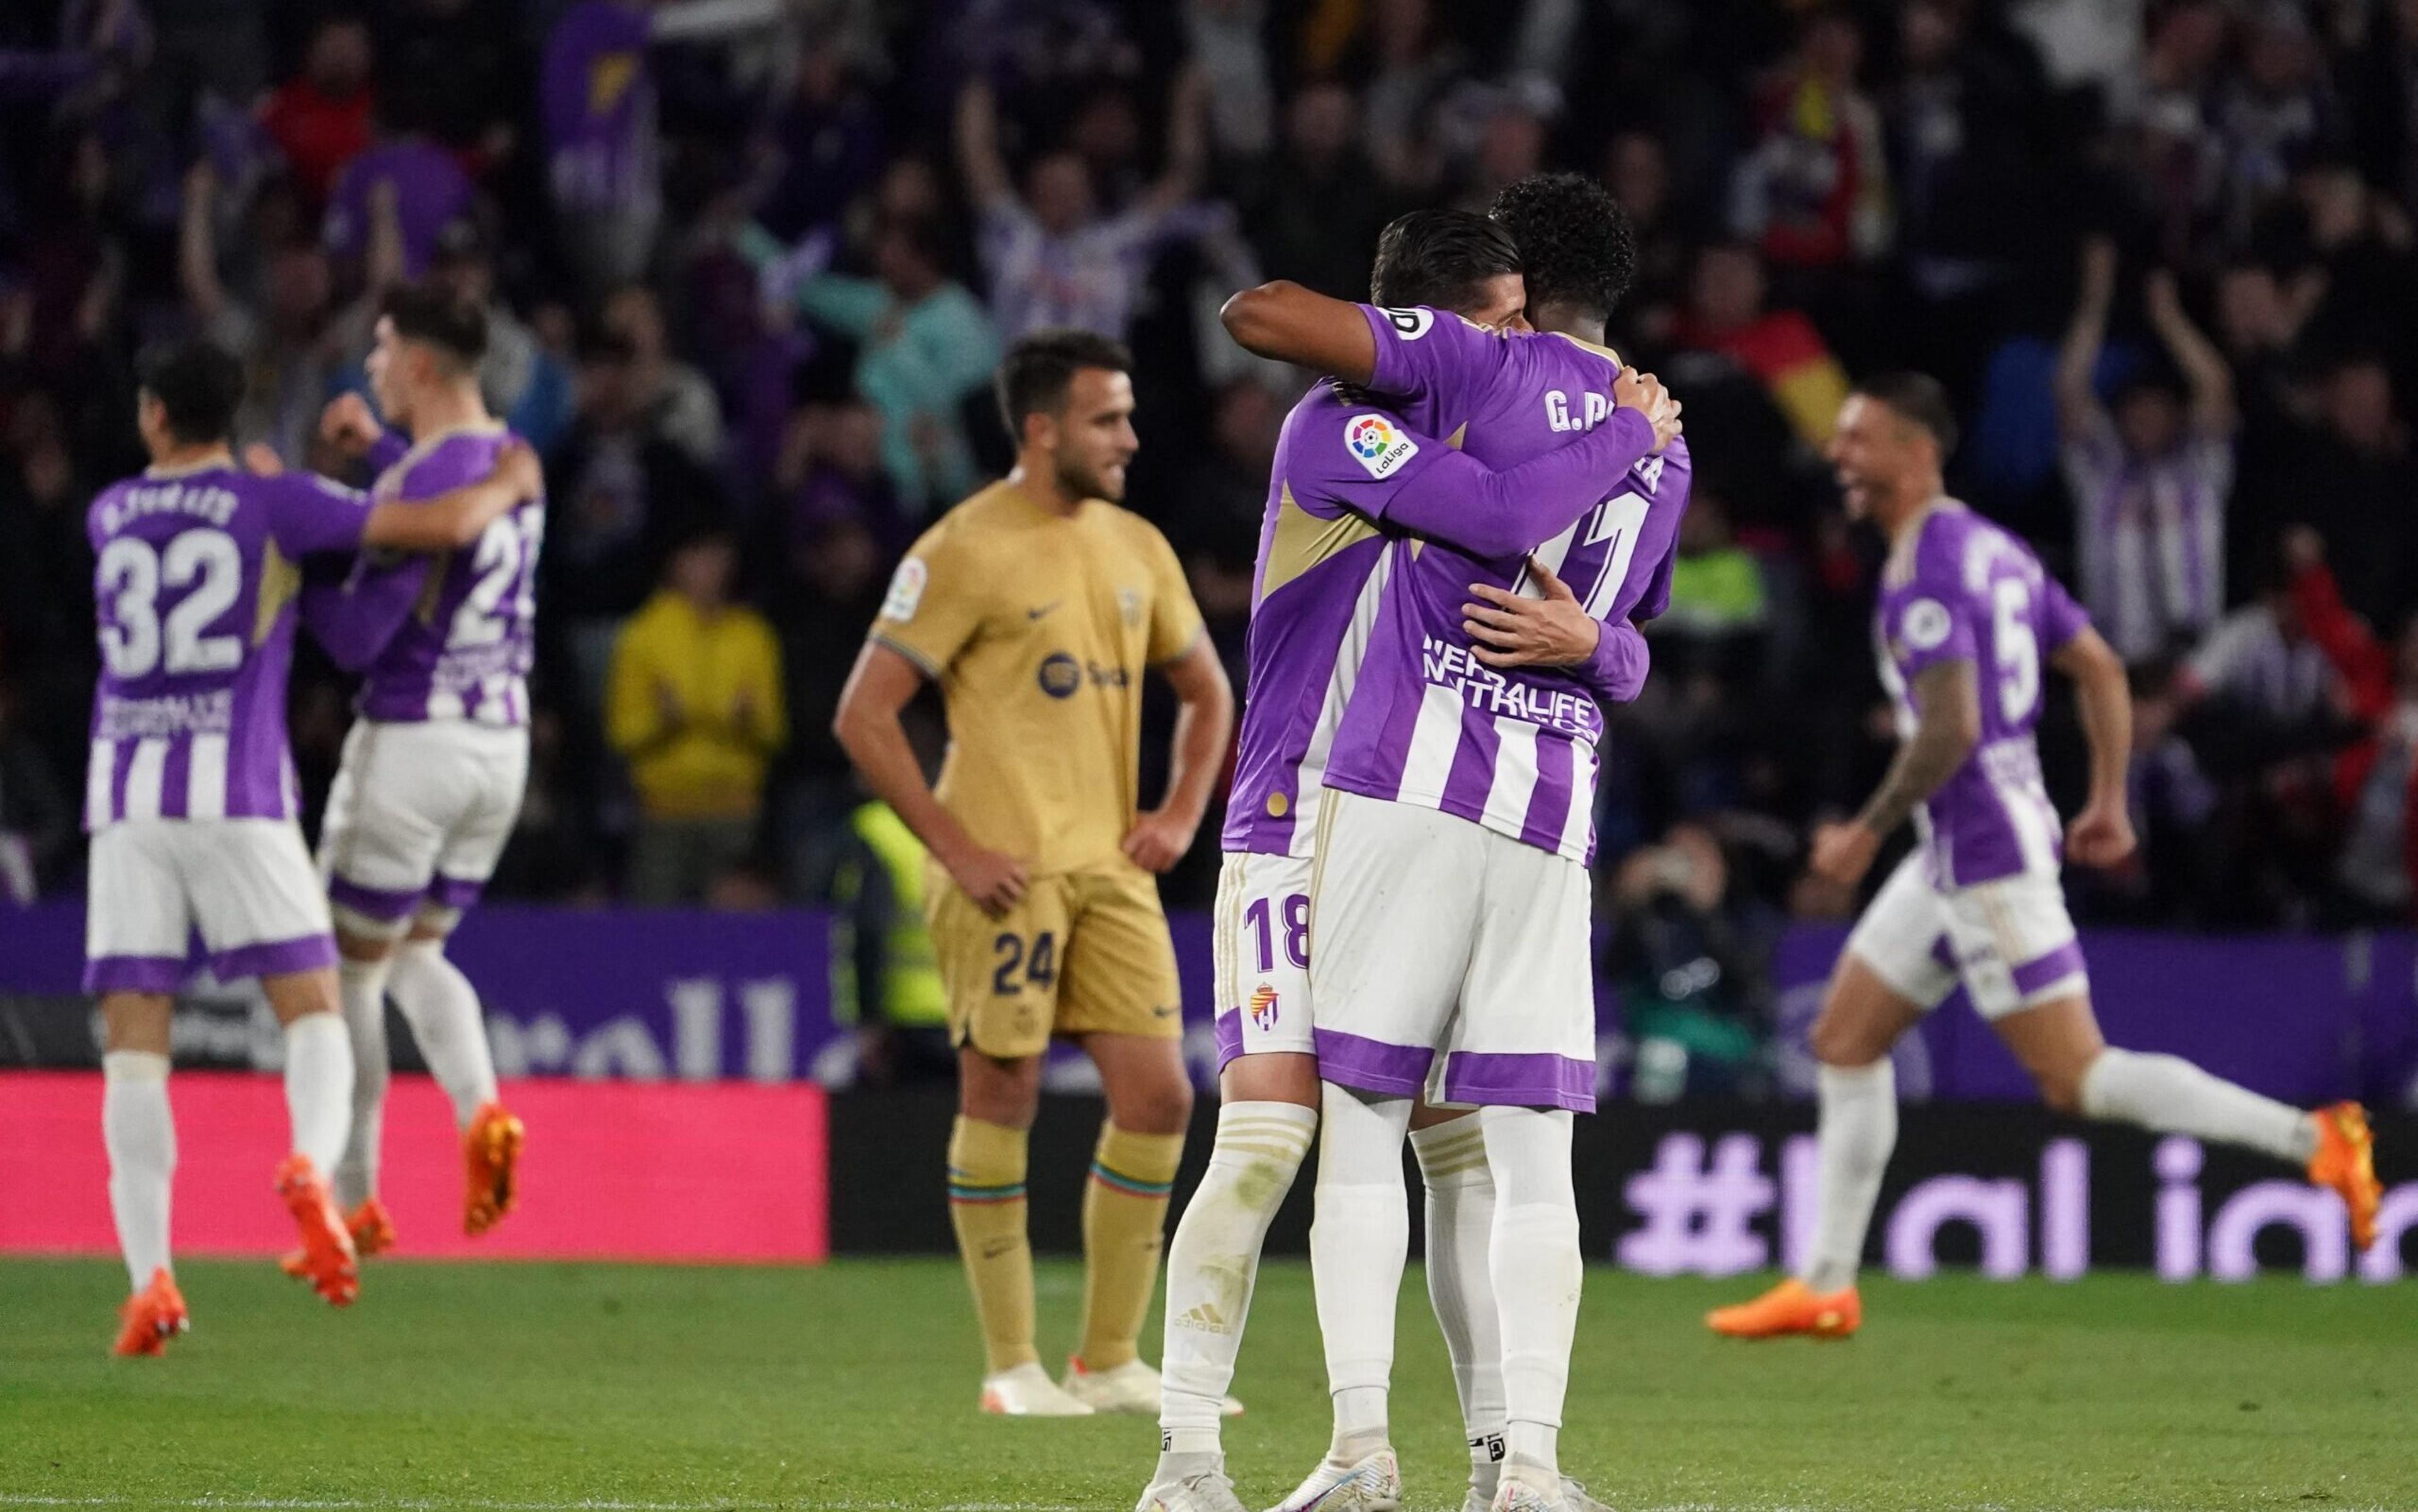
point(851, 1388)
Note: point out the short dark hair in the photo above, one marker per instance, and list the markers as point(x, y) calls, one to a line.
point(1916, 398)
point(199, 383)
point(1034, 376)
point(1439, 258)
point(426, 313)
point(1577, 245)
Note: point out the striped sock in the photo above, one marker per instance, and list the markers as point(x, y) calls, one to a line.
point(1124, 1223)
point(987, 1209)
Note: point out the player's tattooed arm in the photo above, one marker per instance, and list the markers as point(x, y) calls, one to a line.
point(1947, 724)
point(1292, 324)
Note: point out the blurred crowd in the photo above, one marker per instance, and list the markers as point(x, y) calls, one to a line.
point(749, 263)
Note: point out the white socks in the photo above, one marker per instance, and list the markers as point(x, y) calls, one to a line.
point(361, 986)
point(1461, 1229)
point(319, 1087)
point(2173, 1096)
point(1359, 1242)
point(1856, 1131)
point(1538, 1269)
point(442, 1009)
point(1212, 1261)
point(142, 1140)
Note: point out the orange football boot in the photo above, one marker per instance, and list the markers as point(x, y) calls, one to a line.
point(152, 1317)
point(491, 1153)
point(372, 1230)
point(1790, 1308)
point(2346, 1164)
point(330, 1262)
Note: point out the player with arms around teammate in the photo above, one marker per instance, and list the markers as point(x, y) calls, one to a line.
point(1320, 584)
point(191, 798)
point(1967, 620)
point(433, 767)
point(1037, 605)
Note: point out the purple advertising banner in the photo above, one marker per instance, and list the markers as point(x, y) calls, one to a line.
point(652, 995)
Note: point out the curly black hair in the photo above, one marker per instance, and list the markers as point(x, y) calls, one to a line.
point(1575, 240)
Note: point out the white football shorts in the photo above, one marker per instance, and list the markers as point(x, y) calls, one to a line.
point(417, 819)
point(245, 885)
point(2009, 941)
point(1259, 956)
point(1448, 959)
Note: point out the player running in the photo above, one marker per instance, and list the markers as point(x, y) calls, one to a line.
point(1453, 898)
point(433, 770)
point(1967, 620)
point(1037, 605)
point(191, 796)
point(1309, 623)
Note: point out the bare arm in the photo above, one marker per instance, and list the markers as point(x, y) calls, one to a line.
point(1292, 324)
point(978, 155)
point(2203, 366)
point(868, 728)
point(197, 252)
point(1187, 144)
point(2077, 406)
point(1204, 717)
point(457, 517)
point(1947, 724)
point(2106, 700)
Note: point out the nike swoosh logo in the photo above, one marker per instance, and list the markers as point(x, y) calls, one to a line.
point(1035, 613)
point(1162, 1012)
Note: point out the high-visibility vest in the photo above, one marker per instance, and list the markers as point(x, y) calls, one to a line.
point(892, 903)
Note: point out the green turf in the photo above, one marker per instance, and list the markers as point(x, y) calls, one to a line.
point(853, 1387)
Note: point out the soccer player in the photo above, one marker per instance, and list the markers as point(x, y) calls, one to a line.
point(1037, 605)
point(433, 767)
point(190, 796)
point(1966, 621)
point(1452, 893)
point(1344, 470)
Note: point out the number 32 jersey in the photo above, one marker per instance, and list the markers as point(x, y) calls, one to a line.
point(195, 579)
point(464, 649)
point(1957, 588)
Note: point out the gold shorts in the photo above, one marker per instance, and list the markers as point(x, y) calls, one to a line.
point(1084, 953)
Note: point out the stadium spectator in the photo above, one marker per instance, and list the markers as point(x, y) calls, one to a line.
point(2375, 776)
point(924, 346)
point(448, 70)
point(2352, 477)
point(2176, 157)
point(2151, 475)
point(1814, 191)
point(1780, 349)
point(1314, 208)
point(1692, 974)
point(696, 709)
point(679, 404)
point(322, 118)
point(826, 143)
point(285, 344)
point(885, 981)
point(404, 188)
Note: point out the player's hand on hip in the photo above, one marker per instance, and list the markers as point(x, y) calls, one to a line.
point(1843, 852)
point(996, 882)
point(347, 425)
point(2100, 836)
point(1158, 840)
point(1511, 631)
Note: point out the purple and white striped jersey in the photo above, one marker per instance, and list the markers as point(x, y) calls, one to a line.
point(465, 649)
point(195, 577)
point(1428, 724)
point(2151, 538)
point(1958, 587)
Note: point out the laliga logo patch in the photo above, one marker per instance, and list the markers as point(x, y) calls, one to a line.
point(1377, 445)
point(1263, 1006)
point(1926, 624)
point(906, 591)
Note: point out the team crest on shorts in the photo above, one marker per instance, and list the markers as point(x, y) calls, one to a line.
point(1263, 1007)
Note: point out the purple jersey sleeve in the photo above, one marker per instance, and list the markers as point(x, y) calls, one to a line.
point(354, 618)
point(308, 514)
point(1615, 674)
point(388, 449)
point(1357, 460)
point(1487, 513)
point(1433, 355)
point(1928, 622)
point(1656, 602)
point(2060, 618)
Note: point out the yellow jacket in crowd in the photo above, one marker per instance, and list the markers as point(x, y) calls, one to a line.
point(694, 706)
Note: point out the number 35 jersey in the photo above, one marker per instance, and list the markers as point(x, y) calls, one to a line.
point(465, 647)
point(195, 575)
point(1957, 588)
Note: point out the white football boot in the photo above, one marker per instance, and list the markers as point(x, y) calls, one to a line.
point(1131, 1387)
point(1027, 1391)
point(1528, 1489)
point(1373, 1483)
point(1203, 1491)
